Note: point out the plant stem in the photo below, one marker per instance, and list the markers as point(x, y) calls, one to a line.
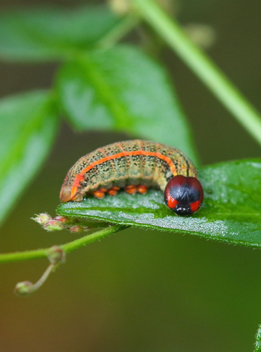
point(68, 247)
point(201, 65)
point(124, 27)
point(83, 241)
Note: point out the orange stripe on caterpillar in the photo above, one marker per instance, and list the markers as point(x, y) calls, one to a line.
point(123, 154)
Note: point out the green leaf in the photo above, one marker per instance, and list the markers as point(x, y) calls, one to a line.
point(52, 33)
point(28, 126)
point(231, 210)
point(258, 340)
point(123, 89)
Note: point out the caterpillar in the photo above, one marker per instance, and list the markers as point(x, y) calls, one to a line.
point(136, 165)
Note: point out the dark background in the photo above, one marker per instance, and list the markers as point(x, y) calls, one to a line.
point(140, 290)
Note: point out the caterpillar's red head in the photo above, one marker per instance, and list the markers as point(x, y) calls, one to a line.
point(184, 195)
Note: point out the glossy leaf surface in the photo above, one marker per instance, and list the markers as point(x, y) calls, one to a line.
point(258, 340)
point(231, 211)
point(52, 32)
point(123, 89)
point(28, 126)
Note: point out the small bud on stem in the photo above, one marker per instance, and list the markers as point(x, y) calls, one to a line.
point(42, 218)
point(54, 225)
point(24, 288)
point(56, 255)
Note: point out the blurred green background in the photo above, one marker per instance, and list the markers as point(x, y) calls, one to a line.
point(140, 290)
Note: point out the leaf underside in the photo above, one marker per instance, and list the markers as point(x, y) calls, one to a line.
point(29, 124)
point(51, 33)
point(123, 90)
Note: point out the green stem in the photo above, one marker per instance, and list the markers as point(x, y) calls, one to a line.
point(68, 247)
point(201, 65)
point(83, 241)
point(124, 27)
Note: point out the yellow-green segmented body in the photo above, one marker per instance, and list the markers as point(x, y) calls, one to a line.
point(125, 163)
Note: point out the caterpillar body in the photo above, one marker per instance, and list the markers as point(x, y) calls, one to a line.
point(136, 165)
